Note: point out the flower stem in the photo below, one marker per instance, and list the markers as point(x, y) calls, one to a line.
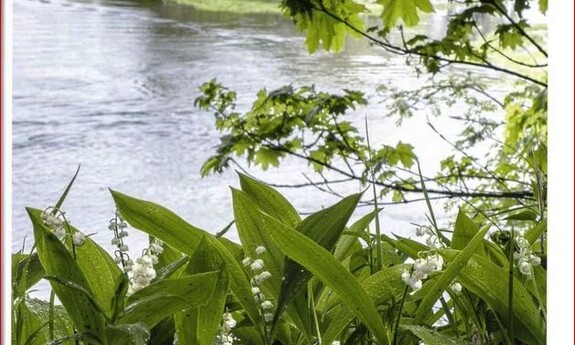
point(396, 328)
point(510, 285)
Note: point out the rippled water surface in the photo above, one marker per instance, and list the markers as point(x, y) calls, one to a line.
point(110, 85)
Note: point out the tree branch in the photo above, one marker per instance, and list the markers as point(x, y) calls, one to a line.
point(405, 51)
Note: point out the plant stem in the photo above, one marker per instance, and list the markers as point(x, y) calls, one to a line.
point(51, 315)
point(510, 284)
point(312, 309)
point(450, 316)
point(396, 328)
point(377, 226)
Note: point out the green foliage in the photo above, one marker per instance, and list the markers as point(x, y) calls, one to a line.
point(325, 21)
point(310, 125)
point(324, 282)
point(394, 10)
point(330, 281)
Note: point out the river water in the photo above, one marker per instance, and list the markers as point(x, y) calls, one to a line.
point(110, 85)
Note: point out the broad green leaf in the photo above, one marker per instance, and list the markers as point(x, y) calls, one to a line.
point(535, 232)
point(248, 335)
point(523, 215)
point(432, 337)
point(324, 228)
point(199, 326)
point(325, 267)
point(449, 275)
point(159, 222)
point(406, 10)
point(134, 334)
point(102, 273)
point(346, 241)
point(490, 282)
point(119, 298)
point(269, 200)
point(163, 298)
point(26, 272)
point(163, 224)
point(239, 282)
point(382, 287)
point(253, 233)
point(33, 316)
point(59, 262)
point(495, 253)
point(464, 232)
point(410, 247)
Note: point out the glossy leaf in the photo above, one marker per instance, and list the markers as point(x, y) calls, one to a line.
point(159, 222)
point(324, 228)
point(489, 281)
point(326, 268)
point(269, 200)
point(161, 299)
point(464, 232)
point(382, 287)
point(134, 334)
point(102, 274)
point(26, 272)
point(199, 326)
point(535, 232)
point(432, 337)
point(171, 229)
point(58, 262)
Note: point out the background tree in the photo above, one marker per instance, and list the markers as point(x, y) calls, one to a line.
point(312, 125)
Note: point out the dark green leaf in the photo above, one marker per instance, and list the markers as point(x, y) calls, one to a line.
point(433, 337)
point(269, 200)
point(324, 228)
point(161, 299)
point(489, 281)
point(325, 267)
point(58, 262)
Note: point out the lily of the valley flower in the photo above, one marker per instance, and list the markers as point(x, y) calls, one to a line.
point(78, 238)
point(260, 250)
point(422, 267)
point(260, 278)
point(257, 265)
point(456, 287)
point(143, 271)
point(526, 260)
